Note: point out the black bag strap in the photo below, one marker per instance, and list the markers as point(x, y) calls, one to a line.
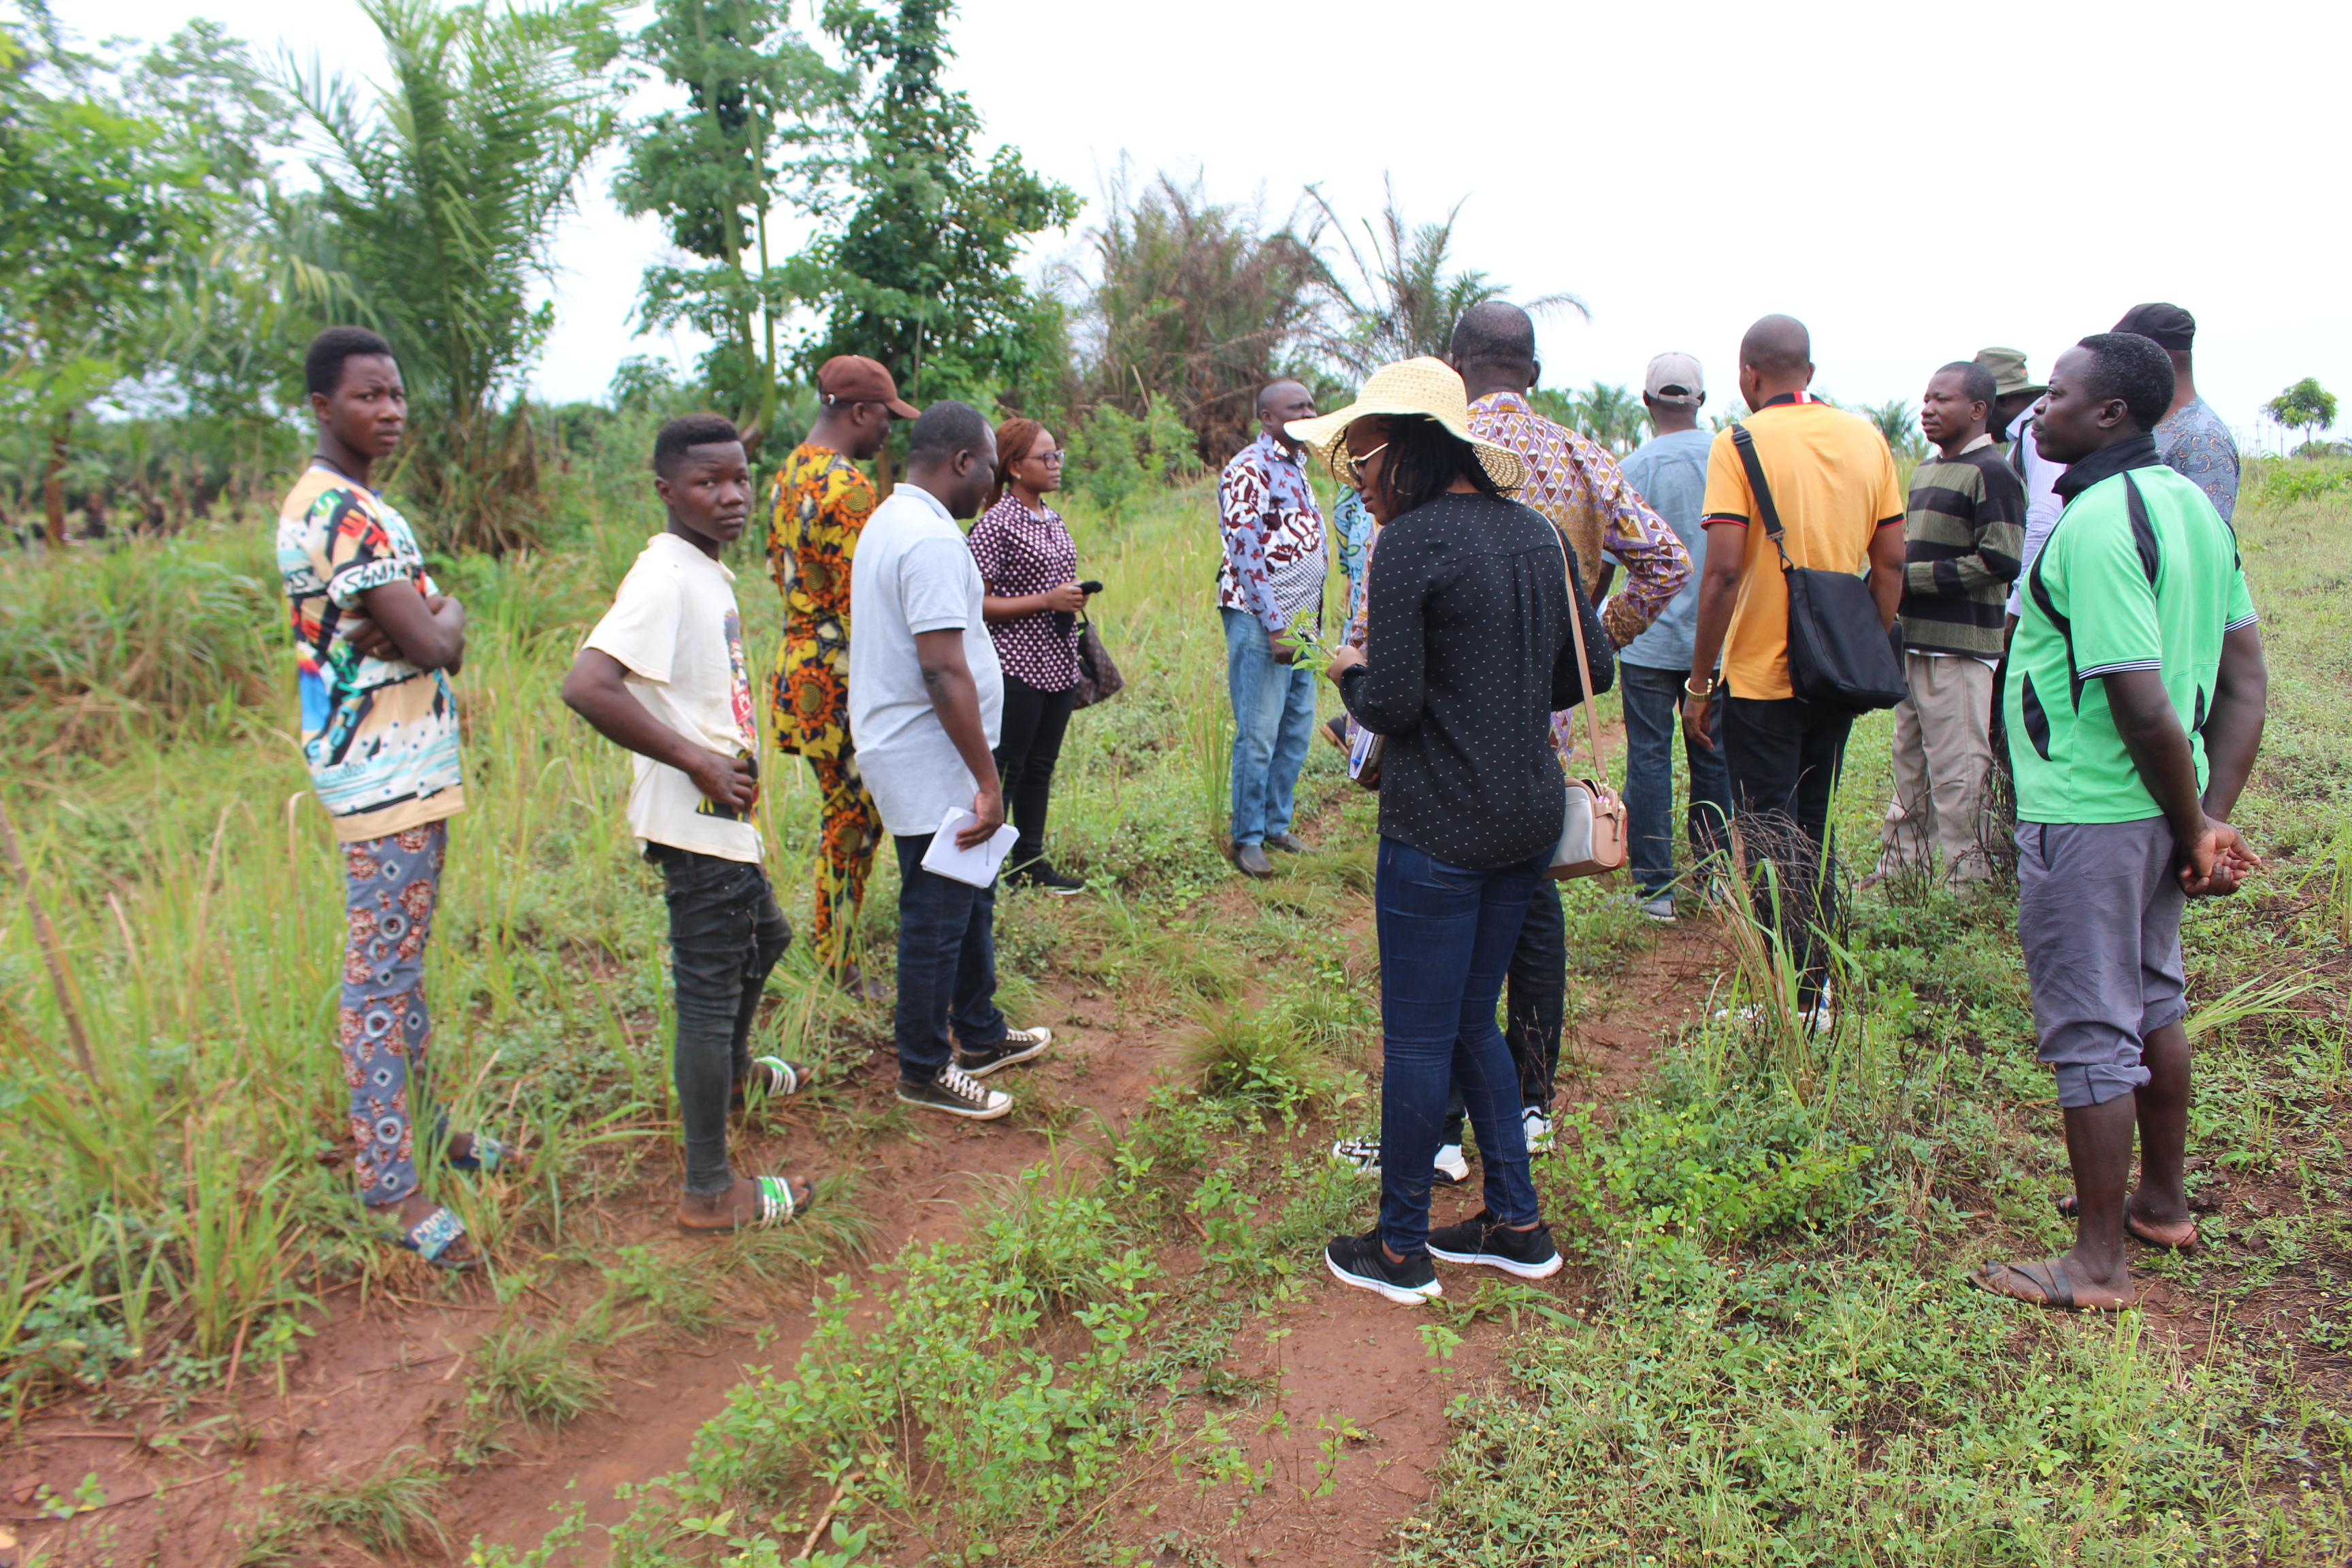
point(1766, 513)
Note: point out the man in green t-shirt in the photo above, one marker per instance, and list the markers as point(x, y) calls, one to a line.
point(2134, 710)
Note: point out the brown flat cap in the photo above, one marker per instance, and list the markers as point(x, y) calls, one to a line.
point(853, 378)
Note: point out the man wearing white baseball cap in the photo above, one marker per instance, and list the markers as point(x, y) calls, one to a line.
point(1669, 471)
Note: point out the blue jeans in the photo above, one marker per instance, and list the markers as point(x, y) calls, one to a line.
point(1446, 937)
point(1274, 720)
point(947, 965)
point(1653, 705)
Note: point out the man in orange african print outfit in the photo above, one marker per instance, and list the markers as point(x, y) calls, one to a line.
point(816, 510)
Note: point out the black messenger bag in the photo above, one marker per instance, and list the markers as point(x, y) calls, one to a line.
point(1838, 654)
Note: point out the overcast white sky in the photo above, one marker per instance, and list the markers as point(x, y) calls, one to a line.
point(1912, 182)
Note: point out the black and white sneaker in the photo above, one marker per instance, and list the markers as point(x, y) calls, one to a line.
point(1362, 1155)
point(958, 1093)
point(1361, 1261)
point(1017, 1046)
point(1041, 875)
point(1529, 1254)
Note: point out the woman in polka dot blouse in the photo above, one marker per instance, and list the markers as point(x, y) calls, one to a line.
point(1032, 604)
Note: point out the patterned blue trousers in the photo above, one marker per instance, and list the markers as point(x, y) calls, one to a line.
point(390, 887)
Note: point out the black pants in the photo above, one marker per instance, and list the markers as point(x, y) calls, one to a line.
point(1535, 1004)
point(1034, 722)
point(1784, 756)
point(726, 933)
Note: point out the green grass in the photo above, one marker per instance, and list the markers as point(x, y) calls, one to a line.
point(1765, 1354)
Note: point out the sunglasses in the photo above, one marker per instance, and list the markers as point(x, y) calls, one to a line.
point(1050, 459)
point(1356, 464)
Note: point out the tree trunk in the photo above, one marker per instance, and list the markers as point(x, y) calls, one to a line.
point(53, 478)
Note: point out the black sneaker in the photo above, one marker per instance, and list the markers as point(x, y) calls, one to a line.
point(1529, 1254)
point(1361, 1261)
point(956, 1092)
point(1017, 1046)
point(1041, 875)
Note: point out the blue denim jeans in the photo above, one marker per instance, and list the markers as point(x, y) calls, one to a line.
point(1446, 936)
point(947, 965)
point(1274, 721)
point(1653, 705)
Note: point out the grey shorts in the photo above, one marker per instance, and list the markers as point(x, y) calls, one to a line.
point(2098, 914)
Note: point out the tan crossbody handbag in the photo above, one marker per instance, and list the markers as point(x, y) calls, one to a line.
point(1592, 831)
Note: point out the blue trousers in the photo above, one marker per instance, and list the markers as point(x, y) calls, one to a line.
point(947, 965)
point(1274, 721)
point(1446, 936)
point(1653, 705)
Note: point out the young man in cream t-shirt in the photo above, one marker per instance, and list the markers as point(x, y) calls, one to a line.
point(664, 675)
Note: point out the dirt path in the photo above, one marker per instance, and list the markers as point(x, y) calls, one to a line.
point(390, 1374)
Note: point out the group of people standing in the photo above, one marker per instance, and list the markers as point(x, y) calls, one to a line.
point(2131, 720)
point(957, 691)
point(2088, 576)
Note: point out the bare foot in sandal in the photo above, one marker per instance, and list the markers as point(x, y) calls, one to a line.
point(2060, 1284)
point(429, 1230)
point(752, 1203)
point(2176, 1235)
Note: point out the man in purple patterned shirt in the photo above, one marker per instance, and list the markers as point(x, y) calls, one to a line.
point(1270, 576)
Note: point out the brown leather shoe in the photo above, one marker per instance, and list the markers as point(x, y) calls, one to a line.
point(1251, 861)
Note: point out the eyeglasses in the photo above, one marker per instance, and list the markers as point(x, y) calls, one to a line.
point(1356, 464)
point(1050, 459)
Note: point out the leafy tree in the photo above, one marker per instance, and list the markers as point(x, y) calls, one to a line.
point(441, 197)
point(2307, 406)
point(919, 268)
point(1403, 302)
point(763, 117)
point(1196, 307)
point(90, 198)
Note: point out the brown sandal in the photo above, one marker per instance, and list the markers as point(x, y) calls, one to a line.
point(2071, 1208)
point(2054, 1290)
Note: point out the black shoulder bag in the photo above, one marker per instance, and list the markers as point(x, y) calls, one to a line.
point(1838, 654)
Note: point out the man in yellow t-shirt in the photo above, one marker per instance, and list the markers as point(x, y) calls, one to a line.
point(1841, 508)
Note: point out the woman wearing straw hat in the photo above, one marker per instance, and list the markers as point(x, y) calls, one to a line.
point(1470, 654)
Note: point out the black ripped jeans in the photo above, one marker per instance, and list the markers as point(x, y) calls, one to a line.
point(726, 933)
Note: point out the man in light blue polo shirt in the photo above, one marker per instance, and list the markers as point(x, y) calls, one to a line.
point(1669, 471)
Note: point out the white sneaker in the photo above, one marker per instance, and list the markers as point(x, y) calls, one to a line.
point(1659, 911)
point(1362, 1155)
point(1538, 1123)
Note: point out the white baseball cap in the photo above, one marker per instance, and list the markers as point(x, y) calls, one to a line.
point(1674, 378)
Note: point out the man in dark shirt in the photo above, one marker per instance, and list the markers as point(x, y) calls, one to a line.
point(1963, 532)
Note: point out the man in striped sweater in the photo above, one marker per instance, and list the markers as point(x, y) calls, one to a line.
point(1963, 534)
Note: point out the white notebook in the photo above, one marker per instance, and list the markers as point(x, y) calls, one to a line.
point(977, 865)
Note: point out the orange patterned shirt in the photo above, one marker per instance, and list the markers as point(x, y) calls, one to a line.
point(816, 510)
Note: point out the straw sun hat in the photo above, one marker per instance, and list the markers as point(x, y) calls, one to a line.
point(1426, 386)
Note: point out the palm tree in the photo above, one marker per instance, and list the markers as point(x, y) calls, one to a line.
point(1404, 302)
point(1196, 304)
point(442, 195)
point(1612, 416)
point(1898, 422)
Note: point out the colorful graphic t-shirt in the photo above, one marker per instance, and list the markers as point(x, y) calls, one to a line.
point(381, 735)
point(2140, 573)
point(675, 628)
point(2197, 445)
